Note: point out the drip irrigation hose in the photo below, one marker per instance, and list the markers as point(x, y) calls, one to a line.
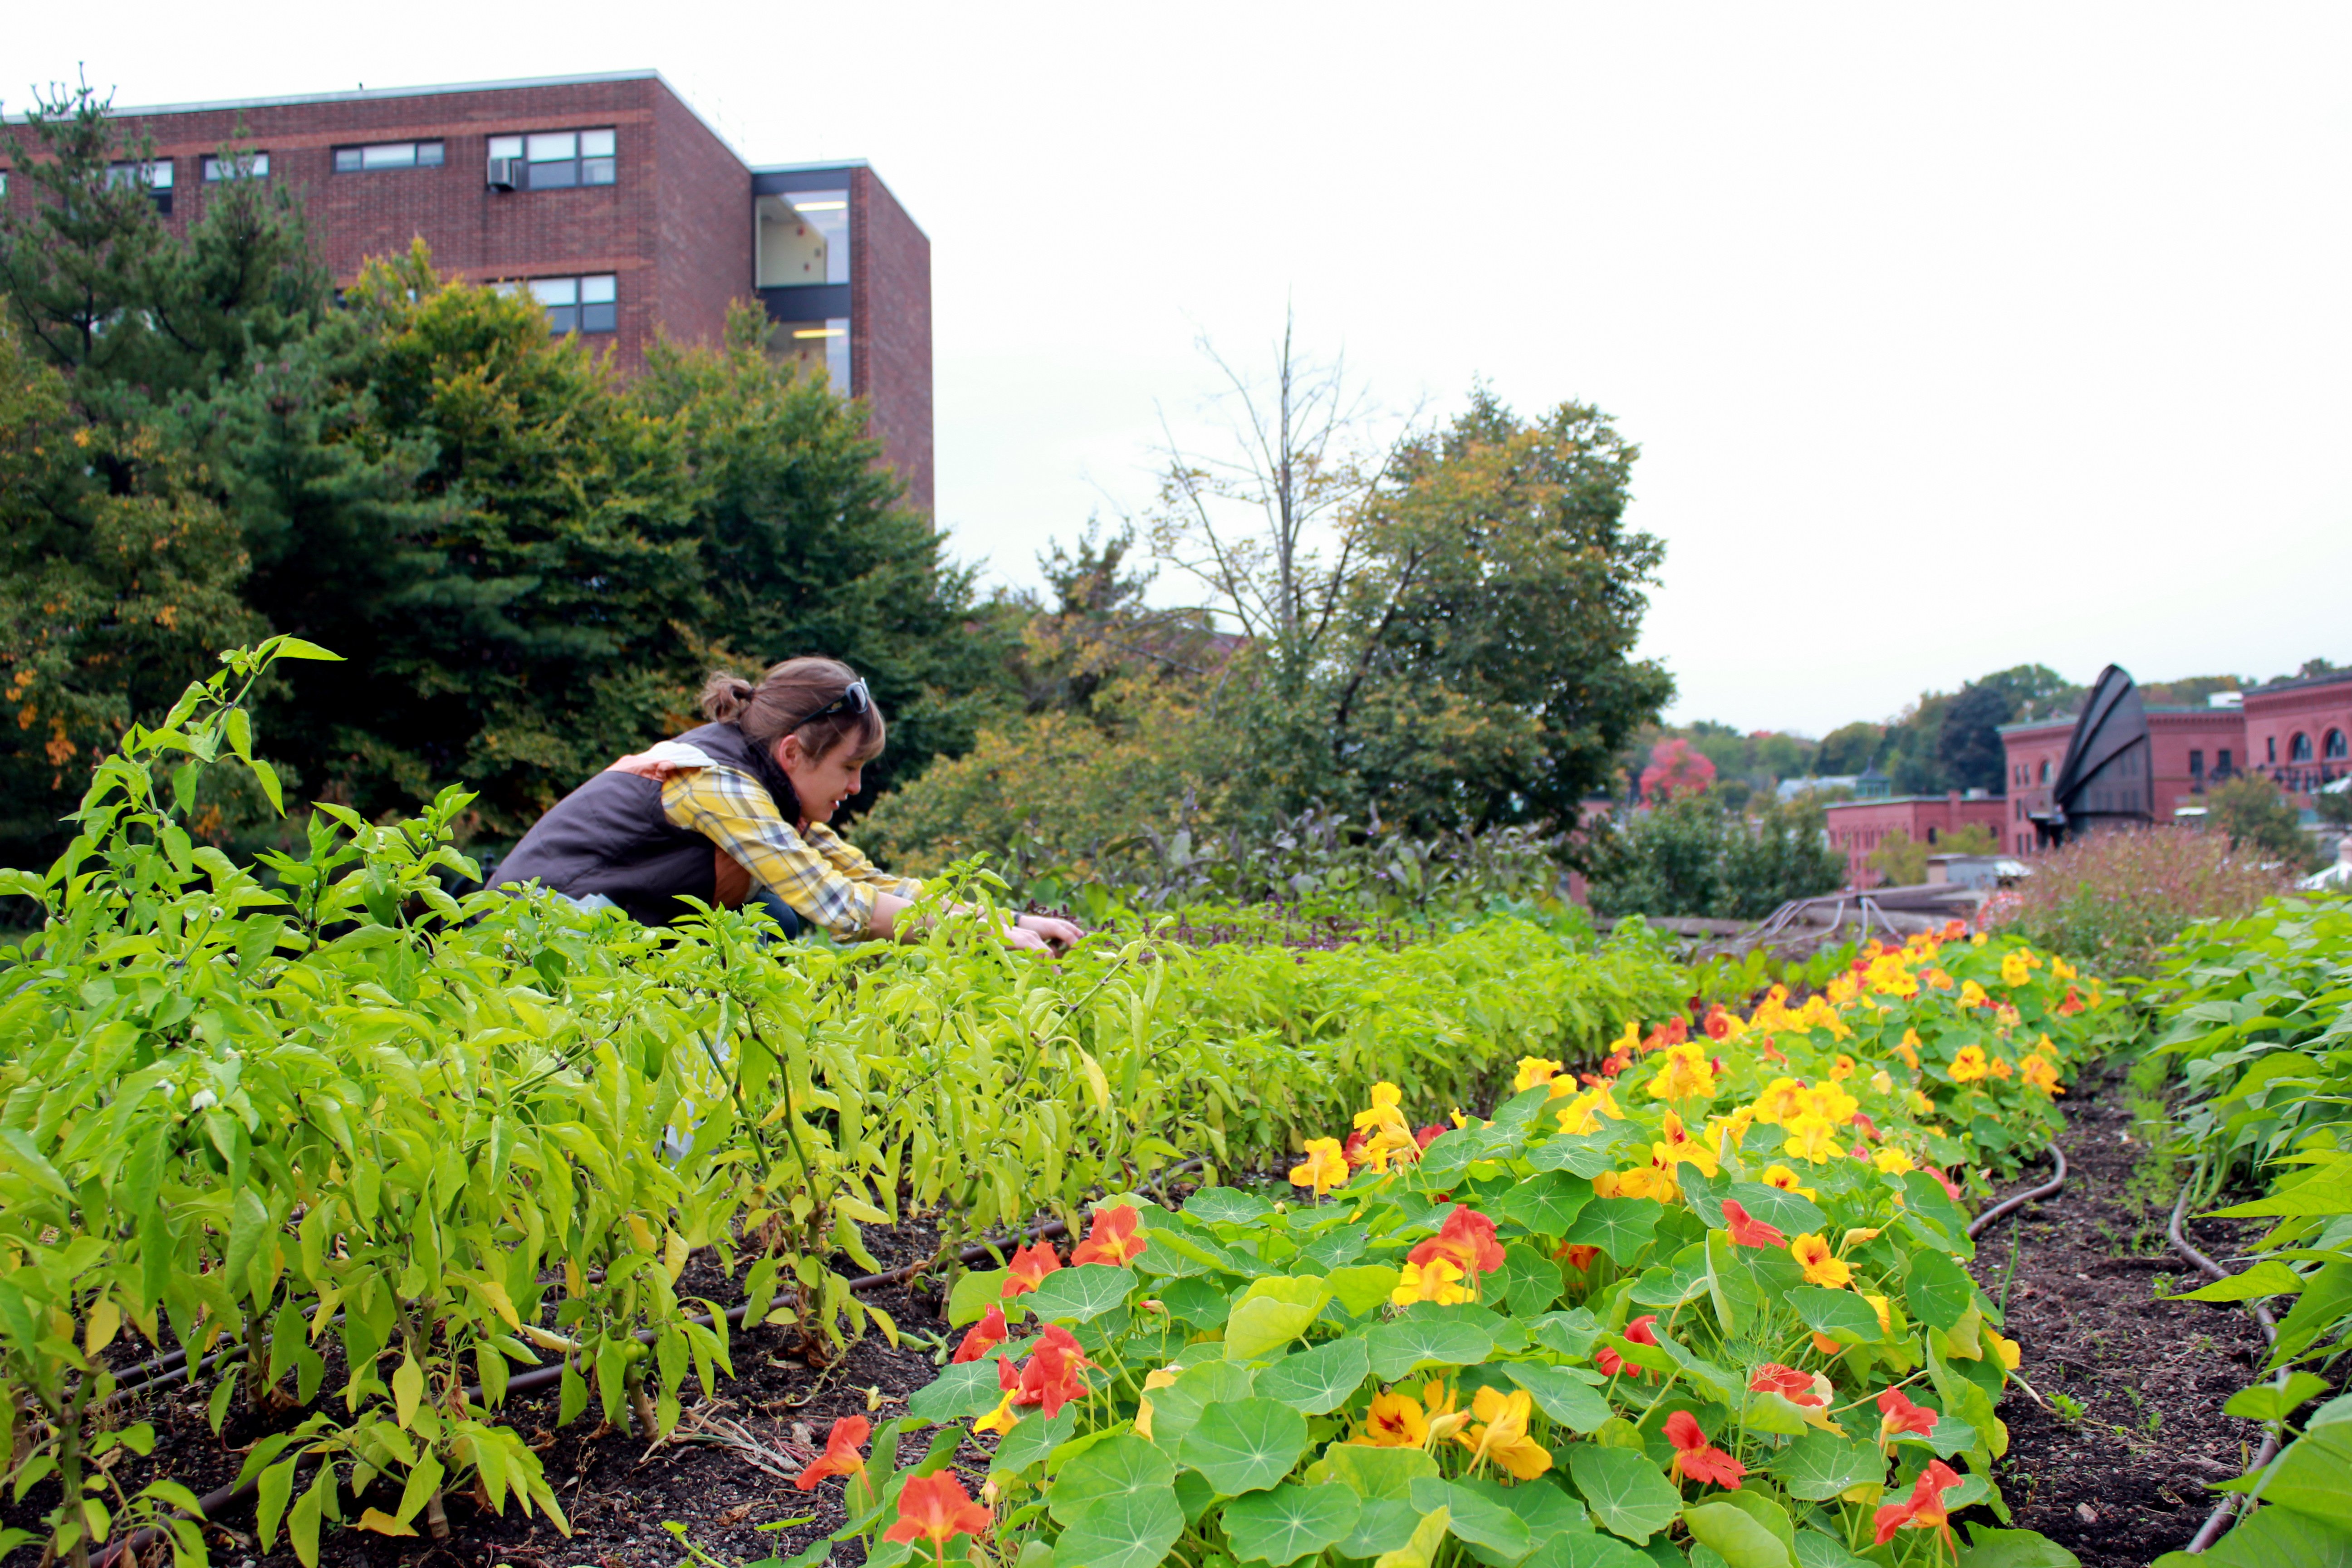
point(2219, 1520)
point(2011, 1205)
point(125, 1552)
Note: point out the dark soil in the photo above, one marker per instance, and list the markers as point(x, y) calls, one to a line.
point(2120, 1476)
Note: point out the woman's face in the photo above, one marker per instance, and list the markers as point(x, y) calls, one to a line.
point(822, 783)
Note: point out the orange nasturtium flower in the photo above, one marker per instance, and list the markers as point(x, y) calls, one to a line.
point(1394, 1421)
point(936, 1509)
point(1909, 1048)
point(1437, 1280)
point(2038, 1071)
point(1466, 1240)
point(1534, 1070)
point(1502, 1433)
point(1822, 1266)
point(1112, 1238)
point(1969, 1064)
point(1897, 1415)
point(1748, 1231)
point(1050, 1376)
point(982, 1337)
point(1697, 1459)
point(1579, 1256)
point(1029, 1267)
point(1797, 1387)
point(1924, 1510)
point(1324, 1167)
point(841, 1457)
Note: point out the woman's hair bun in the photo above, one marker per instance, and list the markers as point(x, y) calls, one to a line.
point(725, 696)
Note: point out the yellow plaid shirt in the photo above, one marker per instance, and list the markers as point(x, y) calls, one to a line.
point(825, 878)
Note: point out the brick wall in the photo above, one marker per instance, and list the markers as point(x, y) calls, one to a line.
point(1861, 826)
point(890, 336)
point(674, 228)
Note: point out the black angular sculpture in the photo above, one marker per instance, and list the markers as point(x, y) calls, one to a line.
point(2106, 780)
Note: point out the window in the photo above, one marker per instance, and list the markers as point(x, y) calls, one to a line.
point(2298, 750)
point(558, 160)
point(2334, 748)
point(2196, 764)
point(2045, 769)
point(814, 343)
point(578, 304)
point(388, 155)
point(240, 166)
point(155, 178)
point(2222, 764)
point(2270, 748)
point(803, 238)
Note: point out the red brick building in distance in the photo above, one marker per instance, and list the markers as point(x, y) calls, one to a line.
point(1861, 826)
point(609, 200)
point(2299, 731)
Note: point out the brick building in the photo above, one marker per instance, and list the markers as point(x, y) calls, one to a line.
point(2299, 731)
point(1861, 826)
point(609, 198)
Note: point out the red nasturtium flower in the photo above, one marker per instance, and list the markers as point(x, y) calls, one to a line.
point(1698, 1459)
point(1112, 1238)
point(1951, 1187)
point(1925, 1509)
point(1580, 1257)
point(1720, 1025)
point(982, 1337)
point(1431, 1134)
point(841, 1457)
point(936, 1509)
point(2073, 1004)
point(1466, 1240)
point(1641, 1334)
point(1029, 1267)
point(1748, 1231)
point(1050, 1376)
point(1897, 1415)
point(1796, 1387)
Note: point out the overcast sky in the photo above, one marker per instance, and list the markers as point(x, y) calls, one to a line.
point(1953, 337)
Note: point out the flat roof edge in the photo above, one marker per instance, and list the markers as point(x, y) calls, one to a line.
point(434, 90)
point(818, 167)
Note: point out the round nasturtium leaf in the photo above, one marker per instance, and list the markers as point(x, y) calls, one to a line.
point(1627, 1492)
point(1133, 1530)
point(1246, 1446)
point(1316, 1381)
point(1290, 1521)
point(1115, 1468)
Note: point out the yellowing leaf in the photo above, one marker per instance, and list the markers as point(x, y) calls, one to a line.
point(407, 1390)
point(675, 1253)
point(1417, 1551)
point(640, 1232)
point(382, 1524)
point(1096, 1083)
point(105, 1320)
point(500, 1302)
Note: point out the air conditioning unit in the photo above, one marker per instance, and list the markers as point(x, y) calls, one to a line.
point(507, 174)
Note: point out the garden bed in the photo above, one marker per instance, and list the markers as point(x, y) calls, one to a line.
point(2115, 1465)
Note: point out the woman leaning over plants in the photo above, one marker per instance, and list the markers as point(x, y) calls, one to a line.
point(740, 808)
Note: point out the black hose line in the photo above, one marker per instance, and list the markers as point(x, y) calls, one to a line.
point(2219, 1520)
point(211, 1503)
point(2009, 1205)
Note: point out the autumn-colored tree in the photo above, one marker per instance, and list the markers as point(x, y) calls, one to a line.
point(1676, 767)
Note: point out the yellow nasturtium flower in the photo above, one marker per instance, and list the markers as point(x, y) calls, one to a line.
point(1437, 1280)
point(1583, 1112)
point(1680, 1148)
point(1812, 1138)
point(1788, 1181)
point(2037, 1070)
point(1646, 1182)
point(1501, 1435)
point(1822, 1266)
point(1909, 1049)
point(1324, 1168)
point(1895, 1161)
point(1683, 1074)
point(1969, 1065)
point(1534, 1070)
point(1394, 1421)
point(1973, 994)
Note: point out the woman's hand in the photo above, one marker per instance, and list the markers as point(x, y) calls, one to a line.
point(1044, 932)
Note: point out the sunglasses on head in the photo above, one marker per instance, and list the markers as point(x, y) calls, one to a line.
point(853, 698)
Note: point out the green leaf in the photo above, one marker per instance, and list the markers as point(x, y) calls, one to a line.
point(1475, 1518)
point(974, 1294)
point(1175, 1409)
point(1118, 1467)
point(2313, 1476)
point(2268, 1401)
point(1226, 1205)
point(1031, 1439)
point(1318, 1381)
point(2328, 1191)
point(1735, 1536)
point(1290, 1521)
point(1271, 1313)
point(1200, 1301)
point(1625, 1489)
point(968, 1389)
point(1815, 1550)
point(1560, 1394)
point(1421, 1548)
point(1790, 1214)
point(1361, 1287)
point(1384, 1525)
point(1992, 1548)
point(1820, 1465)
point(1397, 1348)
point(2268, 1277)
point(277, 1487)
point(1531, 1281)
point(1620, 1228)
point(1246, 1446)
point(1939, 1291)
point(1586, 1549)
point(1585, 1154)
point(1549, 1203)
point(295, 647)
point(1130, 1532)
point(1841, 1315)
point(1080, 1295)
point(1373, 1474)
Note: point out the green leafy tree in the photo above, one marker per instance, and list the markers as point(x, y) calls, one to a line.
point(1849, 748)
point(2258, 816)
point(1692, 857)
